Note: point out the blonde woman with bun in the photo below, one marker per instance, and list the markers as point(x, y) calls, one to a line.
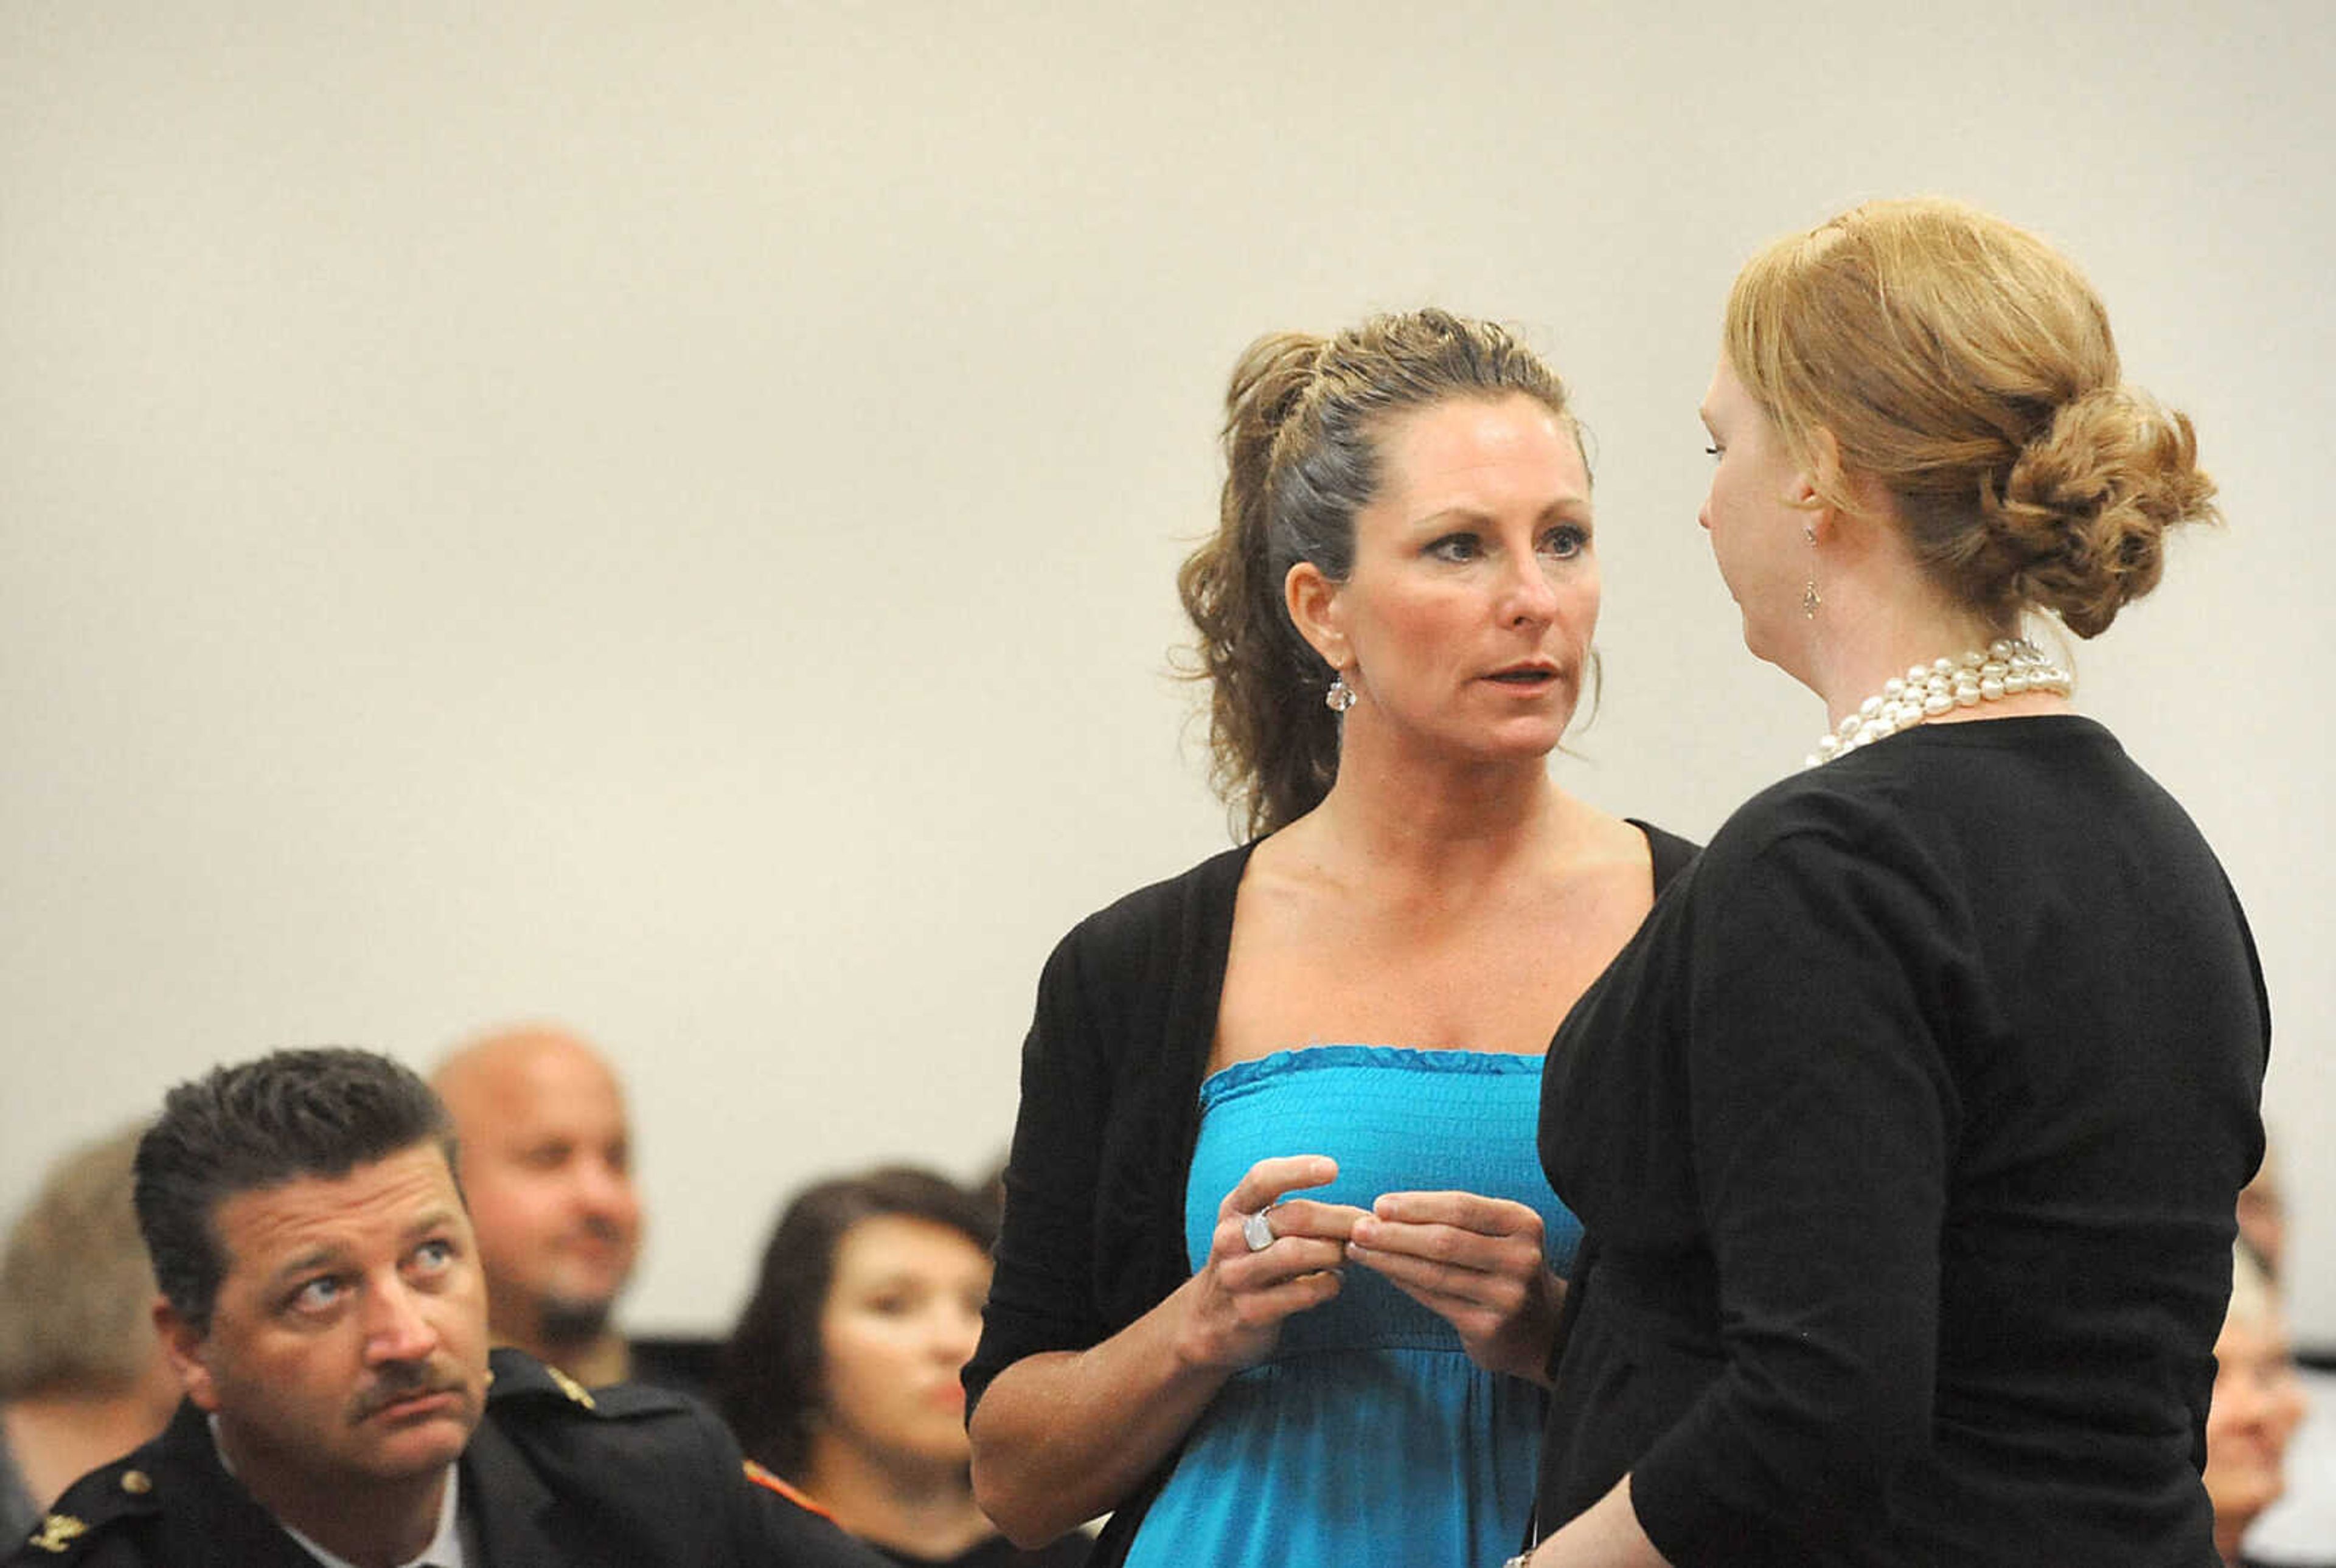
point(1906, 1133)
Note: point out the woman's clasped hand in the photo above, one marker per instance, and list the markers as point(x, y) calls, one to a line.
point(1246, 1291)
point(1474, 1261)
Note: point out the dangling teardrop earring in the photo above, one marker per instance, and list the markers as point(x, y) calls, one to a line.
point(1341, 697)
point(1809, 600)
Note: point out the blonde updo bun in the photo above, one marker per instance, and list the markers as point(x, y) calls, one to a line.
point(1969, 367)
point(2080, 527)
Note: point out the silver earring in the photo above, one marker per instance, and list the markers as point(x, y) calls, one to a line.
point(1341, 697)
point(1809, 600)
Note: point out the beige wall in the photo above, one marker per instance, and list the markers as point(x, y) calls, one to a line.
point(665, 515)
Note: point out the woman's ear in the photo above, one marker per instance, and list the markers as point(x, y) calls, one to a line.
point(1837, 493)
point(1314, 609)
point(1821, 478)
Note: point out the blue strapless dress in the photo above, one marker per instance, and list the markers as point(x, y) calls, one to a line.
point(1368, 1437)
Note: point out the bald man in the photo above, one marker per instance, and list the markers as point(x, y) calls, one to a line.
point(546, 1162)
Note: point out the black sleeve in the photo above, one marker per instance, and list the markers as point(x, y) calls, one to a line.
point(1042, 1294)
point(1668, 852)
point(768, 1529)
point(683, 1451)
point(1822, 1115)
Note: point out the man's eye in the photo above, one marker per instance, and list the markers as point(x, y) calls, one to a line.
point(434, 1255)
point(317, 1294)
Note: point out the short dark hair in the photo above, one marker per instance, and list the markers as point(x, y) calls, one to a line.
point(315, 1112)
point(772, 1369)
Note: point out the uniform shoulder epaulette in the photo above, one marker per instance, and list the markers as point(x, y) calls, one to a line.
point(521, 1380)
point(111, 1496)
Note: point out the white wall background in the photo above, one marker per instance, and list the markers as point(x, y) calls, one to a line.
point(665, 515)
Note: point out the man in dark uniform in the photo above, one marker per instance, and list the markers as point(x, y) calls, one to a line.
point(323, 1309)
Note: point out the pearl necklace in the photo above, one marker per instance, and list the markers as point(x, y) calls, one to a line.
point(2010, 667)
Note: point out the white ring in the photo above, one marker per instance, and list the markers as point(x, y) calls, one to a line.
point(1257, 1232)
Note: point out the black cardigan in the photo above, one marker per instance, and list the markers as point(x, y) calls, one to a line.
point(1094, 1233)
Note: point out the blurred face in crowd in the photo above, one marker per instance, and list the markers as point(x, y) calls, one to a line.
point(347, 1345)
point(547, 1166)
point(903, 1315)
point(2263, 1216)
point(2258, 1403)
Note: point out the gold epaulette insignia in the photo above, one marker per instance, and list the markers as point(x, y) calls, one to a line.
point(570, 1386)
point(56, 1531)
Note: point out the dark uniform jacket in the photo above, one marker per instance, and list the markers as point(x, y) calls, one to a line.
point(554, 1477)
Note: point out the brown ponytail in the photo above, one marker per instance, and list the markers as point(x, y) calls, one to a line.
point(1302, 416)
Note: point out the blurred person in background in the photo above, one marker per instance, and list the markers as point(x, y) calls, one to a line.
point(546, 1154)
point(2258, 1404)
point(2262, 1213)
point(319, 1299)
point(82, 1373)
point(841, 1378)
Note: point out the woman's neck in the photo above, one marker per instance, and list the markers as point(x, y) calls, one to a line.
point(926, 1510)
point(1440, 820)
point(1879, 616)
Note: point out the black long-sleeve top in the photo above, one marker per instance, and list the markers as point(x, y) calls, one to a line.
point(1906, 1135)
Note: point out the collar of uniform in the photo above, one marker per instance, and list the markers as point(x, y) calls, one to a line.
point(446, 1549)
point(510, 1505)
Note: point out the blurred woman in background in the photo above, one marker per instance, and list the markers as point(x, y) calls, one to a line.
point(841, 1378)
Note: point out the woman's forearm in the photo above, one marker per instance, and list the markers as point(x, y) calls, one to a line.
point(1606, 1534)
point(1065, 1435)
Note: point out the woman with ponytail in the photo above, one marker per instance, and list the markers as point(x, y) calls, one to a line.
point(1908, 1132)
point(1395, 619)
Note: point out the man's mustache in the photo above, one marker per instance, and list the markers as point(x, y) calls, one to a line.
point(404, 1381)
